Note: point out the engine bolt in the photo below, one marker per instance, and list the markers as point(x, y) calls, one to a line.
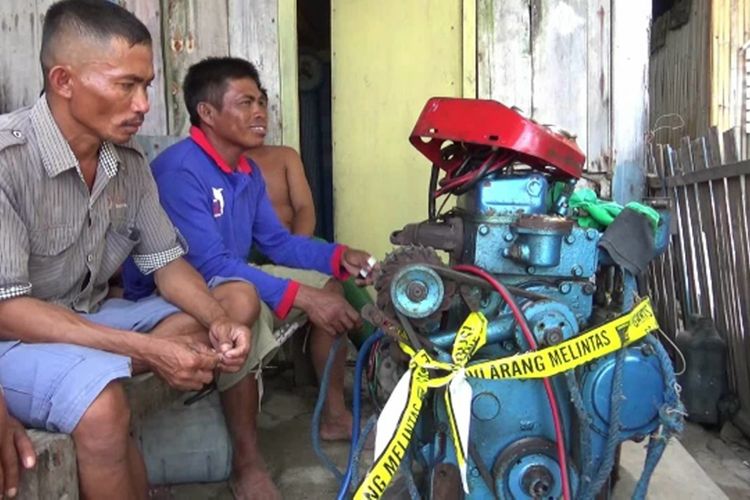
point(591, 234)
point(416, 291)
point(589, 289)
point(538, 481)
point(553, 336)
point(531, 269)
point(483, 230)
point(565, 288)
point(577, 271)
point(570, 239)
point(508, 237)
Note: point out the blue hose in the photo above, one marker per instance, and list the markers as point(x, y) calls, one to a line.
point(364, 352)
point(369, 427)
point(315, 428)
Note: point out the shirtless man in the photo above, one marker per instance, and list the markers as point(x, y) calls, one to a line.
point(287, 187)
point(292, 201)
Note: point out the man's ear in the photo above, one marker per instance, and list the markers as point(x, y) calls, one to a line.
point(207, 113)
point(59, 81)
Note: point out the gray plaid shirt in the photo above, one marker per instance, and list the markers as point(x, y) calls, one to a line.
point(59, 241)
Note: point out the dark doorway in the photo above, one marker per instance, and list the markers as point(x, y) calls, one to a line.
point(314, 39)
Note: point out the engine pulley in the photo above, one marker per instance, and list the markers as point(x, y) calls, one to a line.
point(528, 469)
point(417, 291)
point(407, 284)
point(551, 323)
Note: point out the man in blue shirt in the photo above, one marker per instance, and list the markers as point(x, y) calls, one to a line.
point(217, 198)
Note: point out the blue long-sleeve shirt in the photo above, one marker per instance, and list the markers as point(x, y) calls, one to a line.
point(221, 212)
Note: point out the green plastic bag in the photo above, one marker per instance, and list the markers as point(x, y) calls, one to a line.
point(596, 213)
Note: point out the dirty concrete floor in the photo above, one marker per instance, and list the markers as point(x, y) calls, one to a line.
point(285, 441)
point(286, 444)
point(724, 455)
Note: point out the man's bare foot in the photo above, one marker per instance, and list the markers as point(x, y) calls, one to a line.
point(336, 428)
point(253, 482)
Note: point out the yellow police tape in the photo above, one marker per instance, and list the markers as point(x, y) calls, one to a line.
point(399, 416)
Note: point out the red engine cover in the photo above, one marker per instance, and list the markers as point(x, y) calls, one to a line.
point(489, 123)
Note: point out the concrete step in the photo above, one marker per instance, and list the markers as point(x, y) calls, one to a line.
point(147, 395)
point(55, 475)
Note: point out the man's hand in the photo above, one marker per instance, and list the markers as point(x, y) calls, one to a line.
point(355, 261)
point(183, 363)
point(327, 310)
point(15, 447)
point(231, 341)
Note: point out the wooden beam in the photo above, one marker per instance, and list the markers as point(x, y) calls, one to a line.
point(630, 59)
point(599, 86)
point(288, 72)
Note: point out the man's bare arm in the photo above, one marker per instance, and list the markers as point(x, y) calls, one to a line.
point(180, 284)
point(300, 195)
point(182, 363)
point(32, 320)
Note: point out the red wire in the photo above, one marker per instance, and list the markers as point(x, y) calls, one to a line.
point(447, 181)
point(448, 184)
point(521, 320)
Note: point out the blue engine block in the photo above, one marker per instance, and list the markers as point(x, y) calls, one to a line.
point(511, 228)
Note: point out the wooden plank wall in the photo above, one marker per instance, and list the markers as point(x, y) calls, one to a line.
point(557, 61)
point(192, 31)
point(679, 82)
point(706, 270)
point(20, 39)
point(730, 29)
point(184, 31)
point(714, 37)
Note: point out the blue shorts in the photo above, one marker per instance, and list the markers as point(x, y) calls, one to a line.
point(50, 386)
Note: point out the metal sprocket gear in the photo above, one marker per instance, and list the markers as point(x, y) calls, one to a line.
point(394, 262)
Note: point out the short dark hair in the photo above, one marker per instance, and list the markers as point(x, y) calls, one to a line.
point(99, 20)
point(207, 80)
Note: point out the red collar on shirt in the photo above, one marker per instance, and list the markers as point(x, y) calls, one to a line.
point(197, 135)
